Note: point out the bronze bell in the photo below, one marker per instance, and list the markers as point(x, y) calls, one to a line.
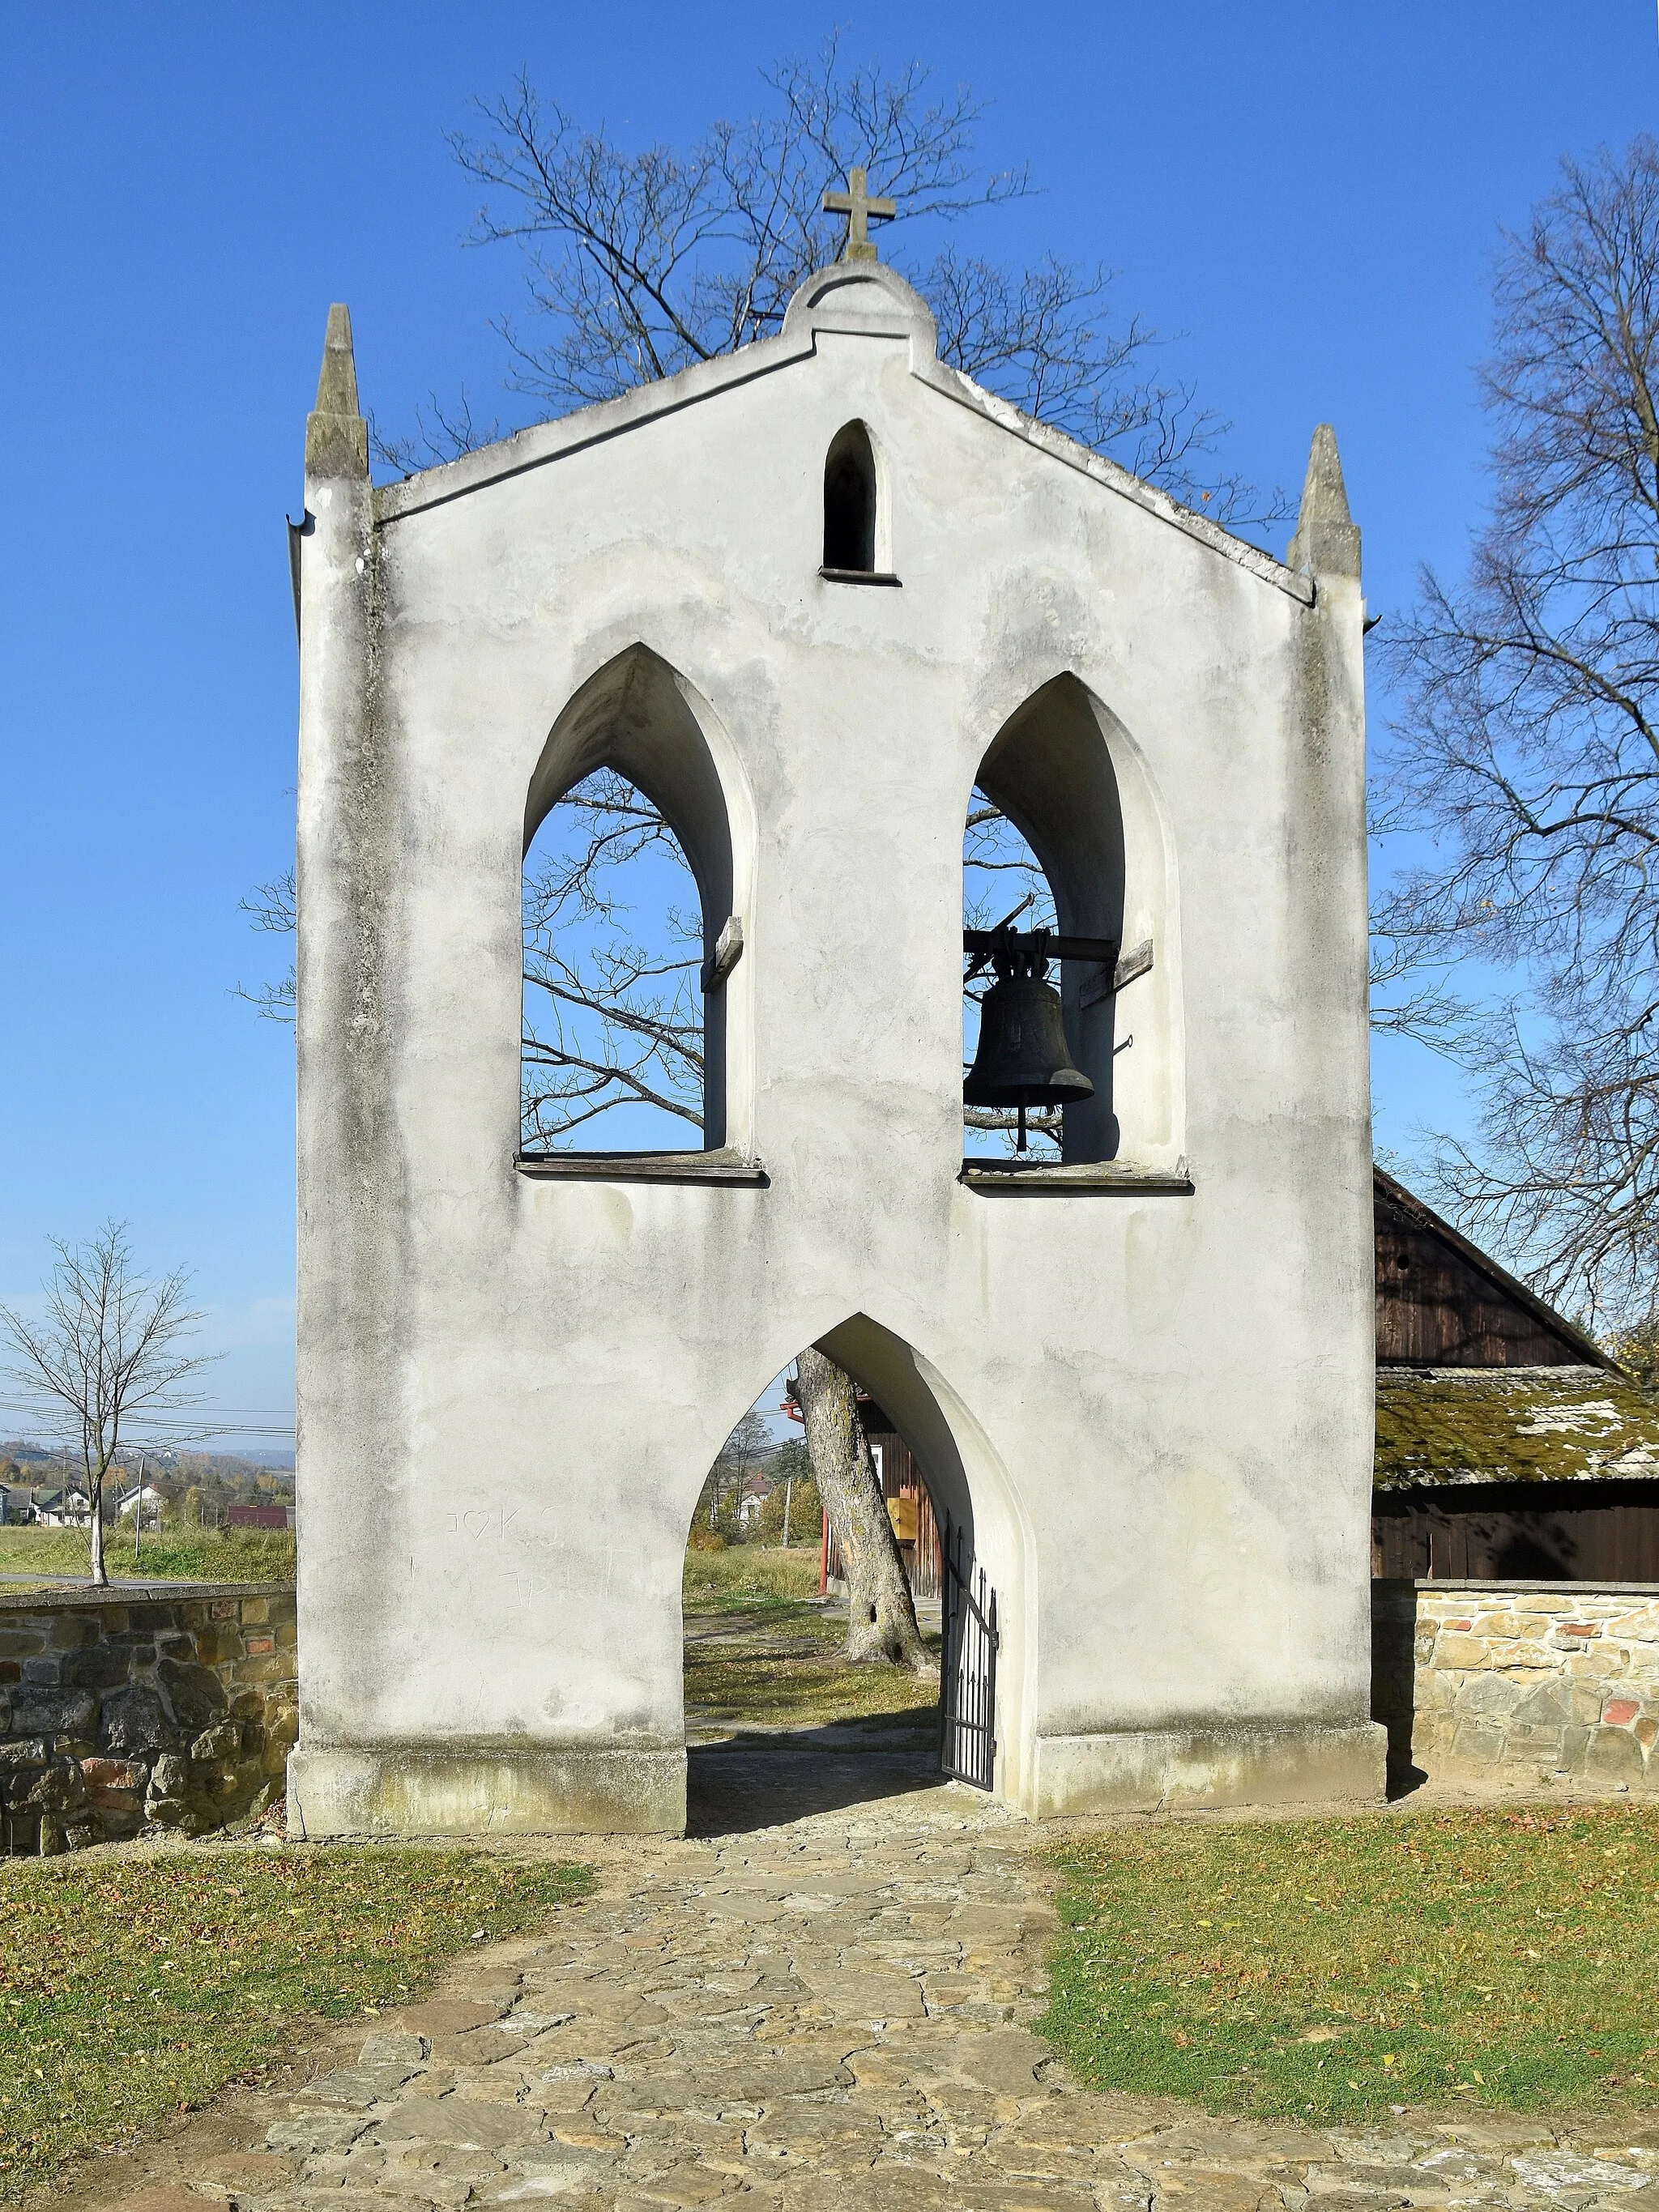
point(1023, 1058)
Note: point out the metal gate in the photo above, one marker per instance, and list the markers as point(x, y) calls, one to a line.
point(968, 1667)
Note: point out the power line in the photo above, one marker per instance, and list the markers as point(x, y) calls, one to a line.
point(202, 1425)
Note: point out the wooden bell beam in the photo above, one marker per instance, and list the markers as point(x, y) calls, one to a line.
point(1103, 952)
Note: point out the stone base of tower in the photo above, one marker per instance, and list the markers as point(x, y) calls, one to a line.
point(578, 1790)
point(1155, 1771)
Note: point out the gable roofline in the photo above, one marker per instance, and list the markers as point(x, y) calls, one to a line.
point(865, 299)
point(1425, 1216)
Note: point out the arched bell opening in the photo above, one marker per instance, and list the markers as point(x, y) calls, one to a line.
point(1063, 815)
point(851, 504)
point(633, 933)
point(1002, 883)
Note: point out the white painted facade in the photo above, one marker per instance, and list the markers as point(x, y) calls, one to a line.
point(1143, 1379)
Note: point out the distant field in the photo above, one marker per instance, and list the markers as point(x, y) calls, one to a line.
point(750, 1578)
point(779, 1663)
point(208, 1555)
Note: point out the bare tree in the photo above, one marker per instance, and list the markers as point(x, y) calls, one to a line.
point(107, 1348)
point(270, 909)
point(881, 1613)
point(641, 264)
point(730, 1476)
point(1528, 760)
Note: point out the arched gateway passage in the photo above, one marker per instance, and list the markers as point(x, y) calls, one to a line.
point(775, 1715)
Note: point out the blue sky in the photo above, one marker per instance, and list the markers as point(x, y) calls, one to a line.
point(1312, 197)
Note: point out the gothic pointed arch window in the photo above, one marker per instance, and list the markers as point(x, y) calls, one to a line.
point(851, 504)
point(631, 925)
point(614, 1035)
point(1064, 835)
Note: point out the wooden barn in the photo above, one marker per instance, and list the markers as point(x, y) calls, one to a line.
point(1507, 1444)
point(909, 1508)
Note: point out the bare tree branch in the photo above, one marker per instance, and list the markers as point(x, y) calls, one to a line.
point(609, 1022)
point(638, 265)
point(270, 907)
point(1527, 761)
point(440, 433)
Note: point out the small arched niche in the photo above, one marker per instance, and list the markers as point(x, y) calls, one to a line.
point(851, 515)
point(1062, 811)
point(631, 920)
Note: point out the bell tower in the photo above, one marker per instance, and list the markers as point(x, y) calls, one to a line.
point(809, 599)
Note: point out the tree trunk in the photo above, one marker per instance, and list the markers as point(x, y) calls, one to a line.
point(95, 1502)
point(881, 1618)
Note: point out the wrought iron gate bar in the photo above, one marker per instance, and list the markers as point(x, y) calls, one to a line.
point(968, 1667)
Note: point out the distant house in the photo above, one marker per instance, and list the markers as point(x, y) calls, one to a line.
point(129, 1500)
point(62, 1509)
point(1508, 1442)
point(16, 1505)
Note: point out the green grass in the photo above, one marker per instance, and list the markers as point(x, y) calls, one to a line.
point(787, 1673)
point(209, 1555)
point(752, 1578)
point(753, 1683)
point(1331, 1970)
point(130, 1990)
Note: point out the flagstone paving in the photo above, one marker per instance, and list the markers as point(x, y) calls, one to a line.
point(831, 2010)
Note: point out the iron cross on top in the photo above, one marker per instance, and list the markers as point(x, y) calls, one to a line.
point(861, 211)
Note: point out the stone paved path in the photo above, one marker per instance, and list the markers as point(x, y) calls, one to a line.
point(831, 2011)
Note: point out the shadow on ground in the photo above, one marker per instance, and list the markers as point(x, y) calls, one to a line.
point(733, 1789)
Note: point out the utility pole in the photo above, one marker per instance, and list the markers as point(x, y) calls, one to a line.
point(138, 1514)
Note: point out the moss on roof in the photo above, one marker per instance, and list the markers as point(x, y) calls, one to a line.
point(1511, 1424)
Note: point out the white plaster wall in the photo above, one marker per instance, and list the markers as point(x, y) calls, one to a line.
point(1159, 1404)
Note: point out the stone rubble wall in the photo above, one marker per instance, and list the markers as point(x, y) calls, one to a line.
point(124, 1712)
point(1520, 1681)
